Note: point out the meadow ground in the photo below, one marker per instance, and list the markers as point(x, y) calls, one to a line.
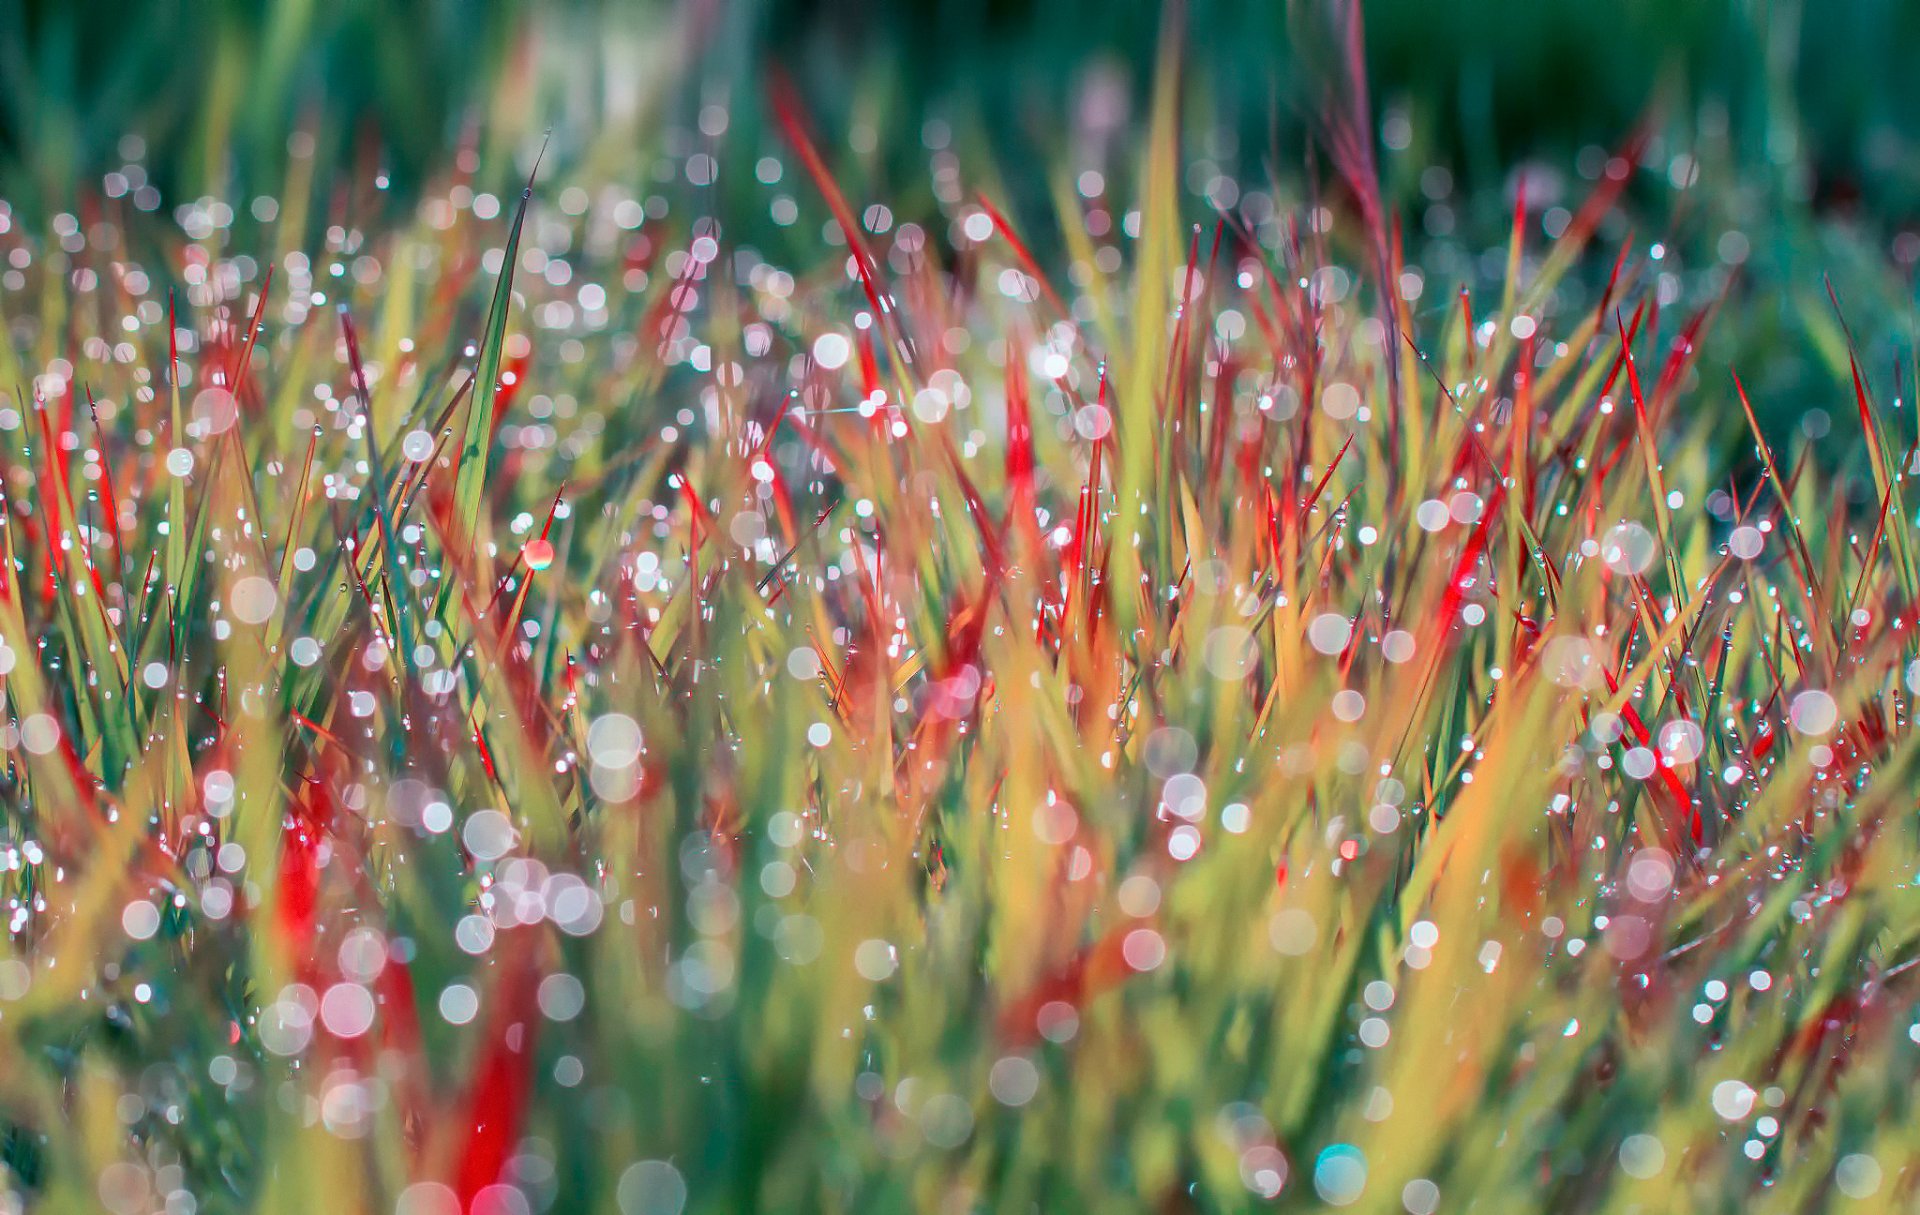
point(695, 684)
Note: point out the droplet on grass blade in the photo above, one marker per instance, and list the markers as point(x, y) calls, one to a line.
point(1143, 949)
point(253, 600)
point(214, 411)
point(1230, 653)
point(286, 1025)
point(874, 960)
point(1263, 1170)
point(831, 350)
point(1420, 1197)
point(1629, 548)
point(1340, 1174)
point(1057, 1021)
point(651, 1187)
point(499, 1199)
point(1292, 931)
point(1466, 507)
point(363, 954)
point(347, 1010)
point(946, 1120)
point(1650, 875)
point(1733, 1100)
point(1642, 1156)
point(123, 1186)
point(487, 834)
point(562, 997)
point(930, 405)
point(1572, 662)
point(1171, 750)
point(427, 1198)
point(1858, 1176)
point(1627, 937)
point(1055, 823)
point(1013, 1080)
point(39, 733)
point(1813, 713)
point(803, 663)
point(1185, 797)
point(1682, 741)
point(1329, 632)
point(1139, 896)
point(417, 446)
point(614, 740)
point(140, 919)
point(458, 1004)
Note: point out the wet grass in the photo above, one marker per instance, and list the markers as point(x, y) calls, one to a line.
point(537, 705)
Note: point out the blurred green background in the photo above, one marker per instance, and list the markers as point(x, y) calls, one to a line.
point(1825, 88)
point(1803, 119)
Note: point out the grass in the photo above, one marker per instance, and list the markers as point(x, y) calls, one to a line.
point(535, 705)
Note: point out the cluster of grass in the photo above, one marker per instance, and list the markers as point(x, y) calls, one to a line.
point(541, 706)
